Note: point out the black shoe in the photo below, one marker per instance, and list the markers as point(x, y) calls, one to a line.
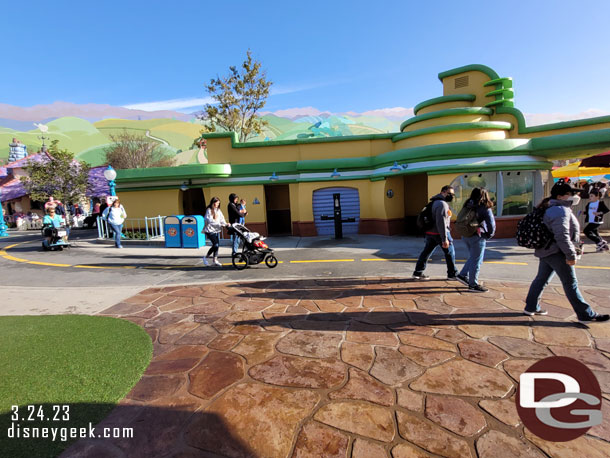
point(462, 279)
point(537, 312)
point(477, 289)
point(420, 277)
point(598, 317)
point(452, 277)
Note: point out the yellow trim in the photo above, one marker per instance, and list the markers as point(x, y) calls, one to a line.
point(593, 267)
point(48, 264)
point(323, 260)
point(508, 263)
point(389, 259)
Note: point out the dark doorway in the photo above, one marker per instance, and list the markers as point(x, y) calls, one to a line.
point(193, 202)
point(416, 198)
point(277, 198)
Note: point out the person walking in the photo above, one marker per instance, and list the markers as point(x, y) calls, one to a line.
point(439, 234)
point(214, 222)
point(479, 205)
point(594, 214)
point(234, 216)
point(560, 256)
point(115, 215)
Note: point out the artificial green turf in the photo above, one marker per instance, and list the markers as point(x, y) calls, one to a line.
point(86, 362)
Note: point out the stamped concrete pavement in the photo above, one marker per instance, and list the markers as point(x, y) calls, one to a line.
point(361, 367)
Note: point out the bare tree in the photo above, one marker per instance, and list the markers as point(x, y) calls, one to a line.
point(133, 151)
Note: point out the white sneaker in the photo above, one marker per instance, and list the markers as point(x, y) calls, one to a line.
point(205, 261)
point(216, 262)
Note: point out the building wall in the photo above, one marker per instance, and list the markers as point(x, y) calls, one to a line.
point(139, 204)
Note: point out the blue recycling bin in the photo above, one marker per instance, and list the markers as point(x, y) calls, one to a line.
point(173, 231)
point(192, 231)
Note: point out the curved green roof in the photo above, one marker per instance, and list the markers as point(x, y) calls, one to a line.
point(444, 99)
point(470, 68)
point(483, 125)
point(447, 112)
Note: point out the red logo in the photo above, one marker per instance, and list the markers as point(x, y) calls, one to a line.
point(559, 399)
point(189, 232)
point(172, 232)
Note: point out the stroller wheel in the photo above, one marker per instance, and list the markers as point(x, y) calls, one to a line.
point(240, 261)
point(271, 261)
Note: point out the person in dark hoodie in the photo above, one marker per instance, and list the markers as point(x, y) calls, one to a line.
point(440, 234)
point(560, 256)
point(234, 216)
point(480, 202)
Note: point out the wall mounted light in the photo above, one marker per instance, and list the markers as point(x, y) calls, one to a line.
point(335, 174)
point(185, 185)
point(390, 193)
point(256, 201)
point(395, 167)
point(273, 177)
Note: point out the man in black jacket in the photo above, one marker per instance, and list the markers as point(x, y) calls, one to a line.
point(234, 215)
point(594, 214)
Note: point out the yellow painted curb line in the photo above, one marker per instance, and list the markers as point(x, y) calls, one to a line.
point(506, 262)
point(389, 259)
point(593, 267)
point(39, 263)
point(323, 260)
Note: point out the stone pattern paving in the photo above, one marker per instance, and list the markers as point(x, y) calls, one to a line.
point(374, 367)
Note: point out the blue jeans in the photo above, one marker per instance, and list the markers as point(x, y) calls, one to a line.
point(549, 265)
point(116, 228)
point(235, 238)
point(432, 241)
point(476, 252)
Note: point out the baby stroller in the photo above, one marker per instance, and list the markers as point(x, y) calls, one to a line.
point(254, 250)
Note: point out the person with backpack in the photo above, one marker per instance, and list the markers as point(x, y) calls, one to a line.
point(558, 255)
point(594, 214)
point(435, 219)
point(476, 224)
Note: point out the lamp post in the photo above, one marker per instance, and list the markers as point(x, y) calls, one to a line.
point(3, 226)
point(110, 175)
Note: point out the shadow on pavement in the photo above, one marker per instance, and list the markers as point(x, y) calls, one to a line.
point(156, 431)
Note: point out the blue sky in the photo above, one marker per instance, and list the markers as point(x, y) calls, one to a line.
point(335, 56)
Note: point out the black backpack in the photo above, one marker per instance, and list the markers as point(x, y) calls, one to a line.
point(532, 232)
point(425, 221)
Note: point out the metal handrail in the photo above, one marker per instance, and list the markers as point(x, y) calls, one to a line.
point(151, 226)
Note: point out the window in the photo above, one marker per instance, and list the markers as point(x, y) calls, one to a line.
point(464, 184)
point(512, 192)
point(518, 193)
point(36, 205)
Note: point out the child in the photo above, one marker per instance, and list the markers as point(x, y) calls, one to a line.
point(594, 214)
point(242, 211)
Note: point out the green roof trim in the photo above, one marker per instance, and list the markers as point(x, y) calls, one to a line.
point(444, 99)
point(296, 141)
point(497, 166)
point(470, 68)
point(447, 112)
point(482, 125)
point(263, 168)
point(506, 83)
point(173, 173)
point(523, 129)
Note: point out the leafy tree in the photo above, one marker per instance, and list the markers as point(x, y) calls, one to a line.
point(56, 174)
point(239, 96)
point(133, 151)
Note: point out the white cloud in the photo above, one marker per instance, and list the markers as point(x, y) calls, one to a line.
point(536, 119)
point(173, 104)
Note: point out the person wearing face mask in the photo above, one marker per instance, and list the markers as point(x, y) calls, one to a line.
point(440, 234)
point(594, 214)
point(559, 257)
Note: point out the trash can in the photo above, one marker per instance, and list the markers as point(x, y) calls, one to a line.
point(173, 231)
point(192, 227)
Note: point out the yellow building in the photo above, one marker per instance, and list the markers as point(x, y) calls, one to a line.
point(470, 136)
